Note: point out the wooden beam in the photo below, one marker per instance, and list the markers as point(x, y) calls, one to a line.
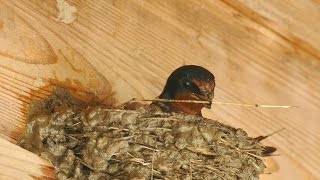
point(260, 53)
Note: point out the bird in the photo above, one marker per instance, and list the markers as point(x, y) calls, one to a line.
point(188, 82)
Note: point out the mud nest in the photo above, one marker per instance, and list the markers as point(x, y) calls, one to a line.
point(103, 143)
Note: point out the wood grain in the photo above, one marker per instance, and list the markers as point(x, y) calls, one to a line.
point(18, 163)
point(295, 20)
point(260, 52)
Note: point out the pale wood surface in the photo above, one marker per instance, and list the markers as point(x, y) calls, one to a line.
point(264, 52)
point(18, 163)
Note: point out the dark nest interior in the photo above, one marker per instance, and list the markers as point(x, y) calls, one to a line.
point(95, 142)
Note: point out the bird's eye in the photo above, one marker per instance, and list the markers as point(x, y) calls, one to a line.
point(187, 83)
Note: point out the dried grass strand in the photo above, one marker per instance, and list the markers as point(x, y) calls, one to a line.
point(214, 102)
point(260, 138)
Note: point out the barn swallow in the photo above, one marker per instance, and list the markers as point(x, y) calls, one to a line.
point(188, 82)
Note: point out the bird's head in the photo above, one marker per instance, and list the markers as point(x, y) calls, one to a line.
point(189, 82)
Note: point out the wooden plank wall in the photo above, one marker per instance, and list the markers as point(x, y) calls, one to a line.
point(265, 52)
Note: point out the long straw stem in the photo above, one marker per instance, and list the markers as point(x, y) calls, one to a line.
point(213, 102)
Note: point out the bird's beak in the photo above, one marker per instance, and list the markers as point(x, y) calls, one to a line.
point(207, 97)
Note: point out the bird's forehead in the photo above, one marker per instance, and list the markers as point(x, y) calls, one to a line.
point(205, 85)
